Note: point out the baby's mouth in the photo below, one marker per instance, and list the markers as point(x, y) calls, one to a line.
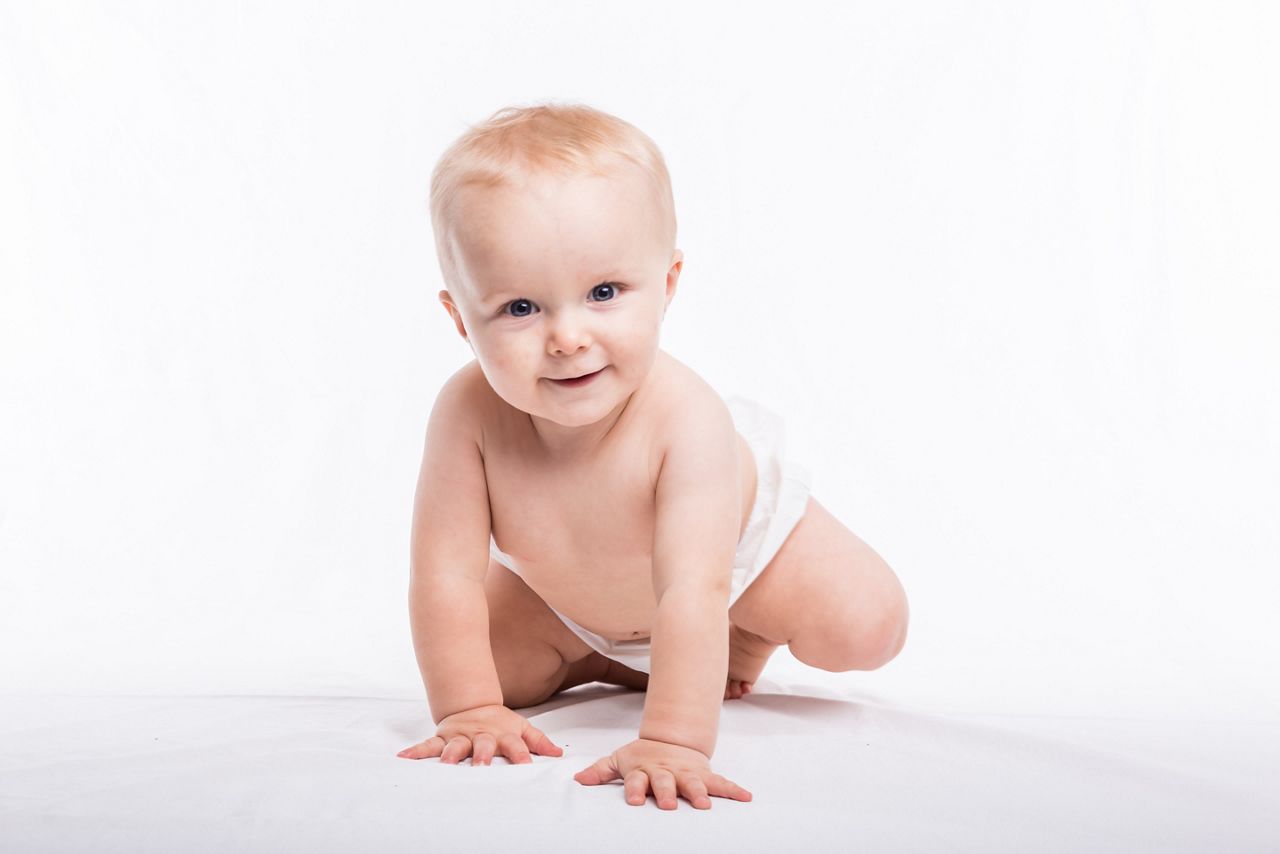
point(579, 381)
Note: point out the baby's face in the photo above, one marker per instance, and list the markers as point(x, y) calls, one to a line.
point(558, 278)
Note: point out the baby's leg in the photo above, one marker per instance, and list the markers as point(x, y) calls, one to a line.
point(748, 654)
point(597, 668)
point(537, 656)
point(534, 652)
point(829, 596)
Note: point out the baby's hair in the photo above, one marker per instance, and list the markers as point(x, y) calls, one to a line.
point(546, 138)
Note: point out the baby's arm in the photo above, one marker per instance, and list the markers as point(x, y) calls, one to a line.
point(698, 514)
point(449, 619)
point(448, 559)
point(696, 534)
point(448, 611)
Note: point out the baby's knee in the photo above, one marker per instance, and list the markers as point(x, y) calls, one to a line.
point(863, 645)
point(890, 635)
point(531, 686)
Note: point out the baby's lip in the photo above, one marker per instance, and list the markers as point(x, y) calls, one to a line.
point(578, 377)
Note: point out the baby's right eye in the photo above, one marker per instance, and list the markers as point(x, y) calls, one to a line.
point(515, 303)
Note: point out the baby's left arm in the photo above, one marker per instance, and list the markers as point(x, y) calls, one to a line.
point(696, 532)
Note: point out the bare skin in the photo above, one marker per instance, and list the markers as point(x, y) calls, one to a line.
point(596, 568)
point(557, 278)
point(546, 516)
point(748, 655)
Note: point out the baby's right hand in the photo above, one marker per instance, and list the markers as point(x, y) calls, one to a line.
point(479, 733)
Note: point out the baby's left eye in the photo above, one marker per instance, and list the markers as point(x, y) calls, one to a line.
point(607, 287)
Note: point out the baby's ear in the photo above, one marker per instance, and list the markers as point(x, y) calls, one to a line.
point(673, 276)
point(447, 301)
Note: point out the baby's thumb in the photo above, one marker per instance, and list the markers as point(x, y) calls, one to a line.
point(422, 750)
point(603, 770)
point(539, 743)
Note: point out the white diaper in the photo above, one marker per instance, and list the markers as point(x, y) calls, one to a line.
point(782, 494)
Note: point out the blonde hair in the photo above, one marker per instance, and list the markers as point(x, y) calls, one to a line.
point(546, 138)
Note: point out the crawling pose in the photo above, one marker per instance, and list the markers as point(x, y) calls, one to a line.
point(590, 509)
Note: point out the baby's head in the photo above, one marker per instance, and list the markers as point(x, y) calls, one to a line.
point(555, 229)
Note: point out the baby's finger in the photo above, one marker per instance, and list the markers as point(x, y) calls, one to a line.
point(424, 750)
point(458, 748)
point(723, 787)
point(695, 791)
point(600, 771)
point(514, 749)
point(664, 788)
point(636, 787)
point(539, 743)
point(482, 749)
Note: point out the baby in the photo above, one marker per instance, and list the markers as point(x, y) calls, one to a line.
point(588, 507)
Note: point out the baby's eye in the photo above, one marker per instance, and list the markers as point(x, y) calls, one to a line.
point(609, 288)
point(518, 302)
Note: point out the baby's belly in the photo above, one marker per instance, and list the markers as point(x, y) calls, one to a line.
point(615, 601)
point(601, 575)
point(622, 610)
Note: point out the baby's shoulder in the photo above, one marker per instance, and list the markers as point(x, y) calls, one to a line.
point(461, 393)
point(466, 398)
point(683, 396)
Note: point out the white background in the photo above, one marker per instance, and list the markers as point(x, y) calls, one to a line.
point(1009, 271)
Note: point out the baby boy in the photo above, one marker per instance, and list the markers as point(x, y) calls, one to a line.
point(588, 508)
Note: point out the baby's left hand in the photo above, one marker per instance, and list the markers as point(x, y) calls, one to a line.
point(666, 768)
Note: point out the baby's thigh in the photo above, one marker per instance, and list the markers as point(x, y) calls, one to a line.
point(532, 647)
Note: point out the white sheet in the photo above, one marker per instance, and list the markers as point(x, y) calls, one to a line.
point(1007, 271)
point(832, 768)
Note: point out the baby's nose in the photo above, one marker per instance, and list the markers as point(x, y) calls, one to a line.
point(569, 335)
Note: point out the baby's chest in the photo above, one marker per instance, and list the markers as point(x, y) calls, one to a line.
point(583, 541)
point(581, 525)
point(582, 536)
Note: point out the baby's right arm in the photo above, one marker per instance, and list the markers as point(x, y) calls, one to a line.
point(448, 559)
point(448, 612)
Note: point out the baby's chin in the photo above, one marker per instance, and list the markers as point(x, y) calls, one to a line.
point(578, 413)
point(583, 406)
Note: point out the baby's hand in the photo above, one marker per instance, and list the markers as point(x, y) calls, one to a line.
point(479, 733)
point(666, 768)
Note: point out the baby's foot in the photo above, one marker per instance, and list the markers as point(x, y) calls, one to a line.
point(748, 654)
